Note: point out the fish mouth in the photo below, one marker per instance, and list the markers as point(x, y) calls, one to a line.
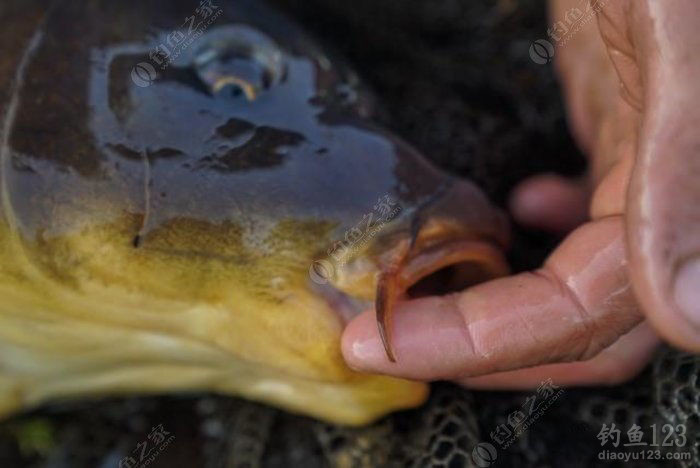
point(442, 268)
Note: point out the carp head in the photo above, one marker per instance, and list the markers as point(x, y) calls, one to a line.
point(203, 208)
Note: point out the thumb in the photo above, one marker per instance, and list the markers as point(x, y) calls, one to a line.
point(663, 201)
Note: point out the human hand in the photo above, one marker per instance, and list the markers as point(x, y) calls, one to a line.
point(591, 314)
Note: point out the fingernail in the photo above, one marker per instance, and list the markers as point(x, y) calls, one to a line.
point(687, 290)
point(361, 345)
point(366, 353)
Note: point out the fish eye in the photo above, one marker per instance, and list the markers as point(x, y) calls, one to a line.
point(238, 60)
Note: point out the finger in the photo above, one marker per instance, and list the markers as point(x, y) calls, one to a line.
point(588, 80)
point(550, 202)
point(616, 364)
point(654, 46)
point(579, 303)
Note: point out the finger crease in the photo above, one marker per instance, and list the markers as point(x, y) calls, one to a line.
point(585, 323)
point(467, 332)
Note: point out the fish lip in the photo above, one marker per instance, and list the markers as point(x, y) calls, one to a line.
point(453, 253)
point(416, 266)
point(395, 281)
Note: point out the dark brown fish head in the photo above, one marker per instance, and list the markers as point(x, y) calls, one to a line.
point(192, 194)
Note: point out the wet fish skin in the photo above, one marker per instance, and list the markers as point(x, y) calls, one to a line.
point(157, 236)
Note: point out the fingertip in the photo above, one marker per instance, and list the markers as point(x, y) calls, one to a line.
point(428, 341)
point(550, 202)
point(360, 343)
point(671, 306)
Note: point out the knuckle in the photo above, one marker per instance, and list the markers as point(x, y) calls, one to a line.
point(582, 343)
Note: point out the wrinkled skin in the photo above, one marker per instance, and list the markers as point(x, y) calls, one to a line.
point(623, 278)
point(161, 236)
